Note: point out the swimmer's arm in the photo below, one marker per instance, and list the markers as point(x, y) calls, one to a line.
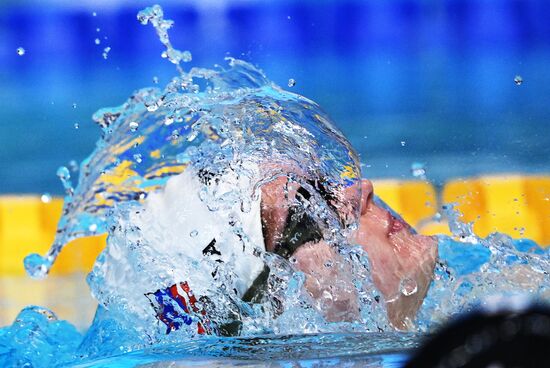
point(328, 281)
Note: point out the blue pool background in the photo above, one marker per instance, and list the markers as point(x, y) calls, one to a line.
point(436, 75)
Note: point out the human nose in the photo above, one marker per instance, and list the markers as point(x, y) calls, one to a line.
point(366, 195)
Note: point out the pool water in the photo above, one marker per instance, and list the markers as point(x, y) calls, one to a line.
point(290, 351)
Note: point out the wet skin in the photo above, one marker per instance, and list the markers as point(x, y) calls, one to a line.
point(402, 262)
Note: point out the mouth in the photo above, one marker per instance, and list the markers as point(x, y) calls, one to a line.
point(395, 225)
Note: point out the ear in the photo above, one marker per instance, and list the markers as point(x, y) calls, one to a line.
point(366, 195)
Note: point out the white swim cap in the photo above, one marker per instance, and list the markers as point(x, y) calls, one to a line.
point(226, 235)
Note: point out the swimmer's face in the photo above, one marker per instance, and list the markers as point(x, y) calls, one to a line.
point(396, 253)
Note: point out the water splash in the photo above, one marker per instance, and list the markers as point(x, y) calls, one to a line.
point(237, 110)
point(472, 271)
point(155, 16)
point(38, 339)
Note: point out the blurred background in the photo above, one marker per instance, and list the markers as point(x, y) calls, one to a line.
point(407, 81)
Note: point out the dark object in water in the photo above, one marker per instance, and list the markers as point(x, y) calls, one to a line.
point(498, 340)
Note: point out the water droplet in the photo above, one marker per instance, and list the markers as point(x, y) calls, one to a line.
point(74, 105)
point(408, 287)
point(76, 125)
point(154, 106)
point(291, 82)
point(155, 80)
point(106, 52)
point(186, 56)
point(518, 80)
point(418, 170)
point(92, 228)
point(191, 137)
point(193, 233)
point(36, 266)
point(73, 165)
point(168, 120)
point(20, 51)
point(137, 158)
point(155, 16)
point(133, 126)
point(403, 143)
point(97, 41)
point(63, 173)
point(65, 176)
point(46, 198)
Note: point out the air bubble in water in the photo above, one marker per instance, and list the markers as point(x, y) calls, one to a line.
point(155, 80)
point(518, 80)
point(133, 126)
point(76, 125)
point(92, 228)
point(418, 170)
point(403, 143)
point(46, 198)
point(94, 14)
point(97, 41)
point(106, 52)
point(291, 82)
point(193, 233)
point(137, 158)
point(20, 51)
point(408, 287)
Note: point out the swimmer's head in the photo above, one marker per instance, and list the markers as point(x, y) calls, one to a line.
point(306, 166)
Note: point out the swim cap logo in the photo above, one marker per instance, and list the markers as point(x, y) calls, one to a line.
point(176, 307)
